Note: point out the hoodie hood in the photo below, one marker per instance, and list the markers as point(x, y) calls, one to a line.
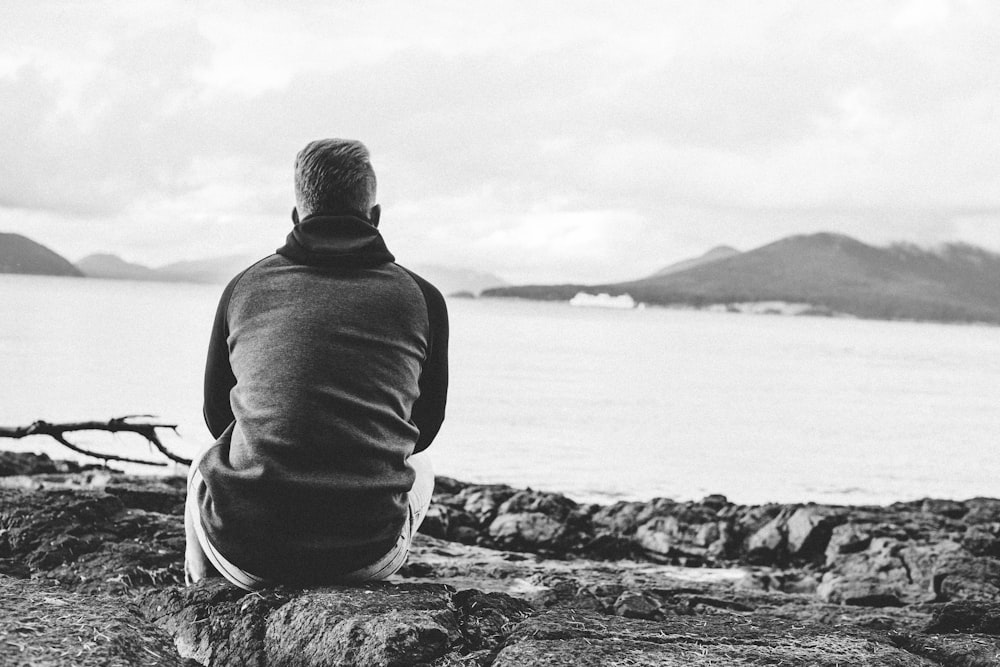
point(336, 241)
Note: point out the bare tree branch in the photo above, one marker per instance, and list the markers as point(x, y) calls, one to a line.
point(117, 425)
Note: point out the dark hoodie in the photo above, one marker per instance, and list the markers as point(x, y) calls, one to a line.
point(327, 368)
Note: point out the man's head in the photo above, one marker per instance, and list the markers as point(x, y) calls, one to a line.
point(335, 176)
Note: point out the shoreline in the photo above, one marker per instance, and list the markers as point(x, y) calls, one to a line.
point(502, 576)
point(53, 451)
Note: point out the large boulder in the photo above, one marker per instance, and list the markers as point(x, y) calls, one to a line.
point(877, 576)
point(482, 502)
point(529, 531)
point(666, 539)
point(377, 624)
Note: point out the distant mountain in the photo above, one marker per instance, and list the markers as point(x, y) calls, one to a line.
point(715, 254)
point(105, 265)
point(215, 270)
point(19, 254)
point(450, 280)
point(219, 270)
point(956, 282)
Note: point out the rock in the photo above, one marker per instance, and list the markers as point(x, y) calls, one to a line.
point(45, 625)
point(129, 542)
point(877, 576)
point(715, 501)
point(482, 502)
point(966, 616)
point(846, 538)
point(619, 518)
point(564, 637)
point(658, 536)
point(165, 495)
point(463, 535)
point(600, 597)
point(88, 540)
point(666, 540)
point(485, 619)
point(638, 604)
point(25, 463)
point(215, 623)
point(447, 486)
point(529, 531)
point(654, 508)
point(959, 576)
point(609, 546)
point(893, 572)
point(553, 505)
point(372, 626)
point(982, 510)
point(768, 545)
point(375, 624)
point(982, 540)
point(810, 528)
point(950, 650)
point(436, 521)
point(949, 508)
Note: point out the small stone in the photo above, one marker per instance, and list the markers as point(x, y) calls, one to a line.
point(715, 501)
point(949, 508)
point(463, 535)
point(631, 604)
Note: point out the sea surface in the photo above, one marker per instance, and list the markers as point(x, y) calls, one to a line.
point(599, 404)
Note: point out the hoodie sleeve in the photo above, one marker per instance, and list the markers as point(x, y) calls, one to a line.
point(219, 378)
point(429, 408)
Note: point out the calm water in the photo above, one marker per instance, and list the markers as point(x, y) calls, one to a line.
point(594, 403)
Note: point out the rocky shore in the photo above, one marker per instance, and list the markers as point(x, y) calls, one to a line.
point(91, 574)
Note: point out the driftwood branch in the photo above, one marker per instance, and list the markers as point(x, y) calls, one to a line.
point(117, 425)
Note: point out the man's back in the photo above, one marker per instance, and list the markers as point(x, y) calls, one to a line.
point(333, 361)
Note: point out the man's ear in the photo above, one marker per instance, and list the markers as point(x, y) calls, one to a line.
point(295, 215)
point(375, 214)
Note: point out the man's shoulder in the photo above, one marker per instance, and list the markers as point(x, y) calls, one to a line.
point(255, 267)
point(431, 293)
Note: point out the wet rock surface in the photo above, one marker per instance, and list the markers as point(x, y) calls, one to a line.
point(44, 625)
point(504, 576)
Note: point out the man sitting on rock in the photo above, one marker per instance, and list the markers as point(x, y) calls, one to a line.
point(327, 376)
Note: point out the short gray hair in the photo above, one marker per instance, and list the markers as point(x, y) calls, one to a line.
point(334, 176)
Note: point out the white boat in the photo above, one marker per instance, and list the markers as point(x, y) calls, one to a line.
point(604, 300)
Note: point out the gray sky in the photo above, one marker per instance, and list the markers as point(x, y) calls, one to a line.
point(544, 141)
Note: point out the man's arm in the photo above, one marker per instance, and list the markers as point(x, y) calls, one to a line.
point(219, 378)
point(428, 410)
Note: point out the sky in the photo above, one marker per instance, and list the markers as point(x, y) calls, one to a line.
point(541, 141)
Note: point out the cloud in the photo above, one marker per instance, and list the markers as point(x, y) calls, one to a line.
point(535, 142)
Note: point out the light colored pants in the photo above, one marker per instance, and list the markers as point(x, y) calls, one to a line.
point(201, 557)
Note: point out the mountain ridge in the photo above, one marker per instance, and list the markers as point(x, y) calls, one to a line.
point(19, 254)
point(220, 270)
point(713, 255)
point(833, 272)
